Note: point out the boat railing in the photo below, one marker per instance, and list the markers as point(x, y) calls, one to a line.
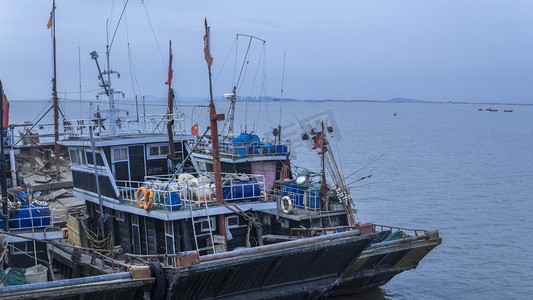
point(28, 216)
point(303, 197)
point(125, 125)
point(248, 149)
point(180, 193)
point(106, 261)
point(309, 232)
point(168, 260)
point(415, 232)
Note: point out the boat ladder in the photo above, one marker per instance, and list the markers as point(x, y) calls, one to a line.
point(209, 234)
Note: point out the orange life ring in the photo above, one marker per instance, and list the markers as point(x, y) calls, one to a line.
point(147, 205)
point(147, 198)
point(138, 196)
point(265, 194)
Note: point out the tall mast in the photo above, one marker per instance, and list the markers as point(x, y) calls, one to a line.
point(213, 118)
point(5, 212)
point(323, 186)
point(54, 92)
point(170, 105)
point(281, 99)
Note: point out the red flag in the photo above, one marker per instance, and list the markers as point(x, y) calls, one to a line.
point(194, 130)
point(5, 105)
point(319, 140)
point(170, 71)
point(51, 16)
point(207, 55)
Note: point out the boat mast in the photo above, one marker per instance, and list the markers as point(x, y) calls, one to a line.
point(323, 187)
point(213, 118)
point(170, 106)
point(54, 92)
point(5, 212)
point(281, 99)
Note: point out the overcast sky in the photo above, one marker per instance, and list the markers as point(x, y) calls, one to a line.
point(478, 51)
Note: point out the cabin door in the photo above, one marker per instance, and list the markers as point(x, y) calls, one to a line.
point(137, 163)
point(120, 163)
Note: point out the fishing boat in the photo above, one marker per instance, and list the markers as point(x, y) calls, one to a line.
point(206, 233)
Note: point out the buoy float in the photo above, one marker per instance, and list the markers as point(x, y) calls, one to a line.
point(287, 209)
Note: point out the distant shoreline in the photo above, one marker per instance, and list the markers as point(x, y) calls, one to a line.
point(399, 101)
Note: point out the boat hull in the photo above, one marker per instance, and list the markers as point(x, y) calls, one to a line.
point(378, 264)
point(303, 272)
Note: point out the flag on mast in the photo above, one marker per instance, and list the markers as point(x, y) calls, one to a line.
point(207, 53)
point(194, 130)
point(51, 17)
point(5, 104)
point(170, 71)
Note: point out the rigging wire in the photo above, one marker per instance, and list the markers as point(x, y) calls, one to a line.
point(155, 37)
point(133, 75)
point(222, 68)
point(281, 95)
point(116, 28)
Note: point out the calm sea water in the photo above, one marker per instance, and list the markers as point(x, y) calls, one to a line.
point(448, 167)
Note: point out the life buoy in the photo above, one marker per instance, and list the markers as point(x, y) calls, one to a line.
point(142, 190)
point(147, 198)
point(148, 204)
point(263, 193)
point(287, 209)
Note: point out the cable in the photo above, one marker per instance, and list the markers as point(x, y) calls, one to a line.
point(155, 37)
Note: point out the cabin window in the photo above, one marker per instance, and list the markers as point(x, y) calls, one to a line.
point(158, 151)
point(120, 154)
point(82, 157)
point(201, 166)
point(99, 160)
point(232, 222)
point(119, 215)
point(74, 157)
point(205, 224)
point(135, 234)
point(169, 237)
point(22, 247)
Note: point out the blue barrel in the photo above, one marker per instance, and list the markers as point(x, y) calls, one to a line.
point(241, 191)
point(244, 138)
point(173, 201)
point(281, 149)
point(240, 151)
point(254, 139)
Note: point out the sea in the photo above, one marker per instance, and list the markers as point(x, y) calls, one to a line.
point(446, 167)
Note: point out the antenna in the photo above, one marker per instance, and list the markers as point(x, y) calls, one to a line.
point(281, 97)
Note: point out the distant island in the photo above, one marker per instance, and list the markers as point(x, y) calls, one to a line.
point(392, 100)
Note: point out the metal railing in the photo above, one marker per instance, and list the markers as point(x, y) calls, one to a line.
point(181, 259)
point(309, 232)
point(125, 125)
point(109, 262)
point(416, 232)
point(180, 193)
point(300, 197)
point(240, 150)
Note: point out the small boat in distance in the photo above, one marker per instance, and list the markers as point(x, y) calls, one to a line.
point(508, 110)
point(491, 109)
point(481, 109)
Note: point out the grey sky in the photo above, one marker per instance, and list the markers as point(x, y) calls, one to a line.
point(478, 51)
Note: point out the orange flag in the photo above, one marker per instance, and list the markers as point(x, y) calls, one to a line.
point(207, 55)
point(5, 104)
point(170, 71)
point(51, 18)
point(194, 130)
